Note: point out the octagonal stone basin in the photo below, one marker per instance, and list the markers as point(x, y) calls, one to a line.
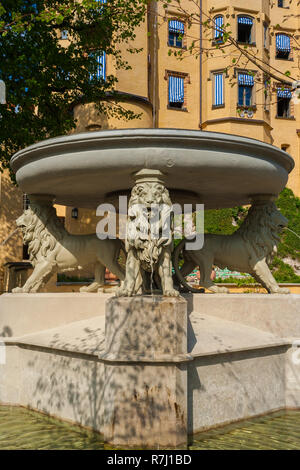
point(219, 170)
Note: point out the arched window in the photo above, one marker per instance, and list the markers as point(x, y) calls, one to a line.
point(218, 28)
point(245, 29)
point(283, 46)
point(176, 33)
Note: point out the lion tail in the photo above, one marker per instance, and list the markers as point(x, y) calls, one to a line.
point(175, 260)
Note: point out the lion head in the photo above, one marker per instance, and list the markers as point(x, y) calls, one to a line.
point(262, 228)
point(147, 197)
point(41, 230)
point(149, 193)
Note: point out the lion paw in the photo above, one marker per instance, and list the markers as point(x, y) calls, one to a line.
point(171, 293)
point(218, 290)
point(18, 290)
point(90, 288)
point(123, 292)
point(282, 290)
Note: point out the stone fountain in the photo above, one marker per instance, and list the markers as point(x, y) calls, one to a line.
point(148, 366)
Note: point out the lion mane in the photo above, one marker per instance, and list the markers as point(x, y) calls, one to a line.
point(42, 230)
point(148, 254)
point(260, 230)
point(148, 251)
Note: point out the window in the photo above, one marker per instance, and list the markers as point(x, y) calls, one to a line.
point(64, 34)
point(284, 96)
point(245, 25)
point(245, 89)
point(283, 46)
point(176, 32)
point(25, 255)
point(176, 91)
point(218, 89)
point(26, 202)
point(280, 3)
point(100, 58)
point(218, 28)
point(266, 36)
point(266, 95)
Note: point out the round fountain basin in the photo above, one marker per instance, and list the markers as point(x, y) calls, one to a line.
point(219, 170)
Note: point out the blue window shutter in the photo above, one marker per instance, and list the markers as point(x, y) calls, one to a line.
point(101, 66)
point(284, 93)
point(219, 89)
point(100, 58)
point(176, 89)
point(245, 79)
point(218, 31)
point(248, 94)
point(241, 95)
point(176, 27)
point(283, 43)
point(245, 20)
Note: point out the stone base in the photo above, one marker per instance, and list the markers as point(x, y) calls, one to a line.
point(145, 397)
point(230, 370)
point(22, 314)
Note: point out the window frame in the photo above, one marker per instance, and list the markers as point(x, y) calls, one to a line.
point(183, 37)
point(289, 113)
point(252, 32)
point(267, 95)
point(217, 39)
point(213, 78)
point(186, 80)
point(290, 56)
point(64, 35)
point(96, 54)
point(266, 36)
point(253, 93)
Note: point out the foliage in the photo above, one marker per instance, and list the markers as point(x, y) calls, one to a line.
point(46, 77)
point(61, 277)
point(289, 205)
point(233, 280)
point(283, 272)
point(223, 221)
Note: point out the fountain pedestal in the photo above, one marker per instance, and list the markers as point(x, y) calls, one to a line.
point(145, 397)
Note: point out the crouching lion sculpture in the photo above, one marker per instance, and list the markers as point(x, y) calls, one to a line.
point(51, 248)
point(249, 250)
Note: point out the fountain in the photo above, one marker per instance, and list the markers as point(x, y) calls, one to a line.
point(148, 367)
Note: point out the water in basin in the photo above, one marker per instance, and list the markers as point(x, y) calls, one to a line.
point(24, 429)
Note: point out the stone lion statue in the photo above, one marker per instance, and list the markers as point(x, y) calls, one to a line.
point(148, 256)
point(51, 248)
point(249, 250)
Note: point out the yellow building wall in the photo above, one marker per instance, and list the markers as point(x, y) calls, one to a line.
point(11, 207)
point(149, 78)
